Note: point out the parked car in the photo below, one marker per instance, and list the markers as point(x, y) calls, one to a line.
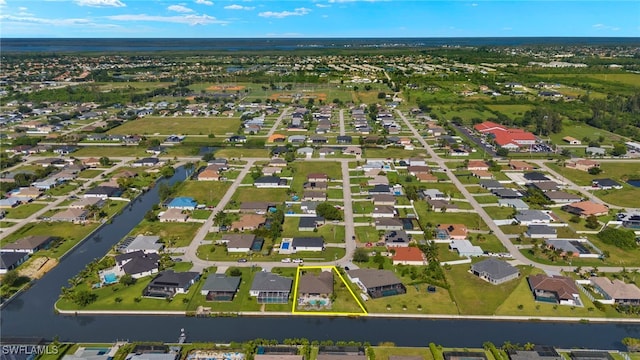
point(287, 260)
point(298, 261)
point(243, 260)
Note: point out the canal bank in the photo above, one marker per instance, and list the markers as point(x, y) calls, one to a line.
point(32, 314)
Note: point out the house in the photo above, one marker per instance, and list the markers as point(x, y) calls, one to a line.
point(307, 244)
point(29, 244)
point(393, 224)
point(507, 193)
point(208, 174)
point(183, 203)
point(380, 189)
point(270, 182)
point(514, 203)
point(11, 260)
point(305, 151)
point(378, 180)
point(586, 208)
point(572, 247)
point(554, 289)
point(520, 165)
point(561, 197)
point(102, 192)
point(277, 163)
point(276, 138)
point(426, 177)
point(87, 202)
point(396, 238)
point(271, 170)
point(538, 353)
point(417, 161)
point(248, 222)
point(435, 194)
point(237, 138)
point(541, 232)
point(477, 165)
point(26, 193)
point(9, 203)
point(324, 151)
point(70, 215)
point(138, 263)
point(605, 184)
point(344, 139)
point(145, 243)
point(415, 170)
point(465, 248)
point(270, 288)
point(630, 220)
point(408, 256)
point(309, 207)
point(441, 204)
point(297, 139)
point(220, 287)
point(257, 207)
point(310, 223)
point(494, 271)
point(173, 215)
point(314, 196)
point(318, 139)
point(482, 174)
point(352, 150)
point(149, 162)
point(616, 291)
point(169, 283)
point(571, 140)
point(535, 176)
point(451, 232)
point(528, 217)
point(491, 184)
point(545, 186)
point(582, 164)
point(317, 177)
point(377, 283)
point(315, 285)
point(383, 211)
point(384, 199)
point(595, 151)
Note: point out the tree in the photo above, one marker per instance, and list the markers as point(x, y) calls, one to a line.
point(84, 297)
point(150, 216)
point(360, 255)
point(594, 170)
point(105, 161)
point(328, 211)
point(10, 278)
point(502, 152)
point(235, 272)
point(382, 95)
point(164, 191)
point(619, 149)
point(592, 222)
point(127, 280)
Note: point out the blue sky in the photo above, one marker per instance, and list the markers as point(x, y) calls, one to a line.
point(316, 18)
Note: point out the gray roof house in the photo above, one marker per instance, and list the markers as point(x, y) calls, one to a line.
point(11, 260)
point(506, 193)
point(270, 288)
point(494, 271)
point(397, 238)
point(169, 283)
point(541, 232)
point(220, 287)
point(145, 243)
point(527, 217)
point(311, 284)
point(389, 224)
point(29, 244)
point(514, 203)
point(377, 283)
point(562, 197)
point(310, 223)
point(138, 264)
point(307, 244)
point(491, 184)
point(270, 182)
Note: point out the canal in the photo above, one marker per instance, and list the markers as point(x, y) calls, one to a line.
point(31, 314)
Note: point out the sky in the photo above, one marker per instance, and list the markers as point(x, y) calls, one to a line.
point(316, 18)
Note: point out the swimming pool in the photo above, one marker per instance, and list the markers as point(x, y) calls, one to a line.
point(110, 278)
point(284, 246)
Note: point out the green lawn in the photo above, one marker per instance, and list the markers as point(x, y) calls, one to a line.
point(200, 214)
point(363, 207)
point(486, 199)
point(383, 352)
point(392, 153)
point(23, 211)
point(204, 192)
point(244, 194)
point(512, 111)
point(186, 125)
point(471, 220)
point(499, 212)
point(63, 189)
point(89, 173)
point(113, 151)
point(238, 152)
point(218, 253)
point(521, 295)
point(241, 302)
point(475, 296)
point(582, 130)
point(71, 234)
point(180, 234)
point(365, 234)
point(331, 233)
point(619, 171)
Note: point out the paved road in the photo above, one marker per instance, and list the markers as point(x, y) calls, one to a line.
point(276, 125)
point(342, 130)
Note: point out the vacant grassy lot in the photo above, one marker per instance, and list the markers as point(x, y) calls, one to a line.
point(512, 111)
point(580, 131)
point(238, 153)
point(471, 220)
point(416, 301)
point(185, 125)
point(486, 199)
point(173, 234)
point(466, 288)
point(204, 192)
point(366, 234)
point(331, 233)
point(89, 173)
point(392, 153)
point(383, 352)
point(247, 193)
point(499, 212)
point(302, 169)
point(23, 211)
point(111, 150)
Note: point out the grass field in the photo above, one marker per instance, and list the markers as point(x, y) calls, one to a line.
point(471, 220)
point(384, 352)
point(70, 233)
point(89, 173)
point(244, 194)
point(185, 125)
point(238, 153)
point(580, 131)
point(331, 233)
point(179, 234)
point(499, 212)
point(465, 288)
point(113, 151)
point(302, 169)
point(512, 111)
point(392, 153)
point(204, 192)
point(23, 211)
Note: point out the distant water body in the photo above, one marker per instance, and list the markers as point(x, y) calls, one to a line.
point(14, 45)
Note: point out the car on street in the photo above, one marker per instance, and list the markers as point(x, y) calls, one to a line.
point(243, 260)
point(287, 260)
point(298, 261)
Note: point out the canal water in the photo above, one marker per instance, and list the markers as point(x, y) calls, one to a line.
point(31, 314)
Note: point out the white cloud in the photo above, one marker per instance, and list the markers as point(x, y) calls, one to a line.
point(204, 2)
point(605, 27)
point(3, 2)
point(284, 14)
point(239, 7)
point(474, 4)
point(323, 5)
point(179, 8)
point(178, 19)
point(42, 21)
point(100, 3)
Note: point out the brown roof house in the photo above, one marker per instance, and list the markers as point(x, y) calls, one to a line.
point(586, 208)
point(554, 289)
point(315, 289)
point(70, 215)
point(248, 222)
point(173, 215)
point(582, 164)
point(616, 291)
point(29, 244)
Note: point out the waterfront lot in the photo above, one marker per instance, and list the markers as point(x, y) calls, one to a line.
point(204, 192)
point(172, 234)
point(71, 234)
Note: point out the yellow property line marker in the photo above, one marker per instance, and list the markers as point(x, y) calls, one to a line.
point(329, 313)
